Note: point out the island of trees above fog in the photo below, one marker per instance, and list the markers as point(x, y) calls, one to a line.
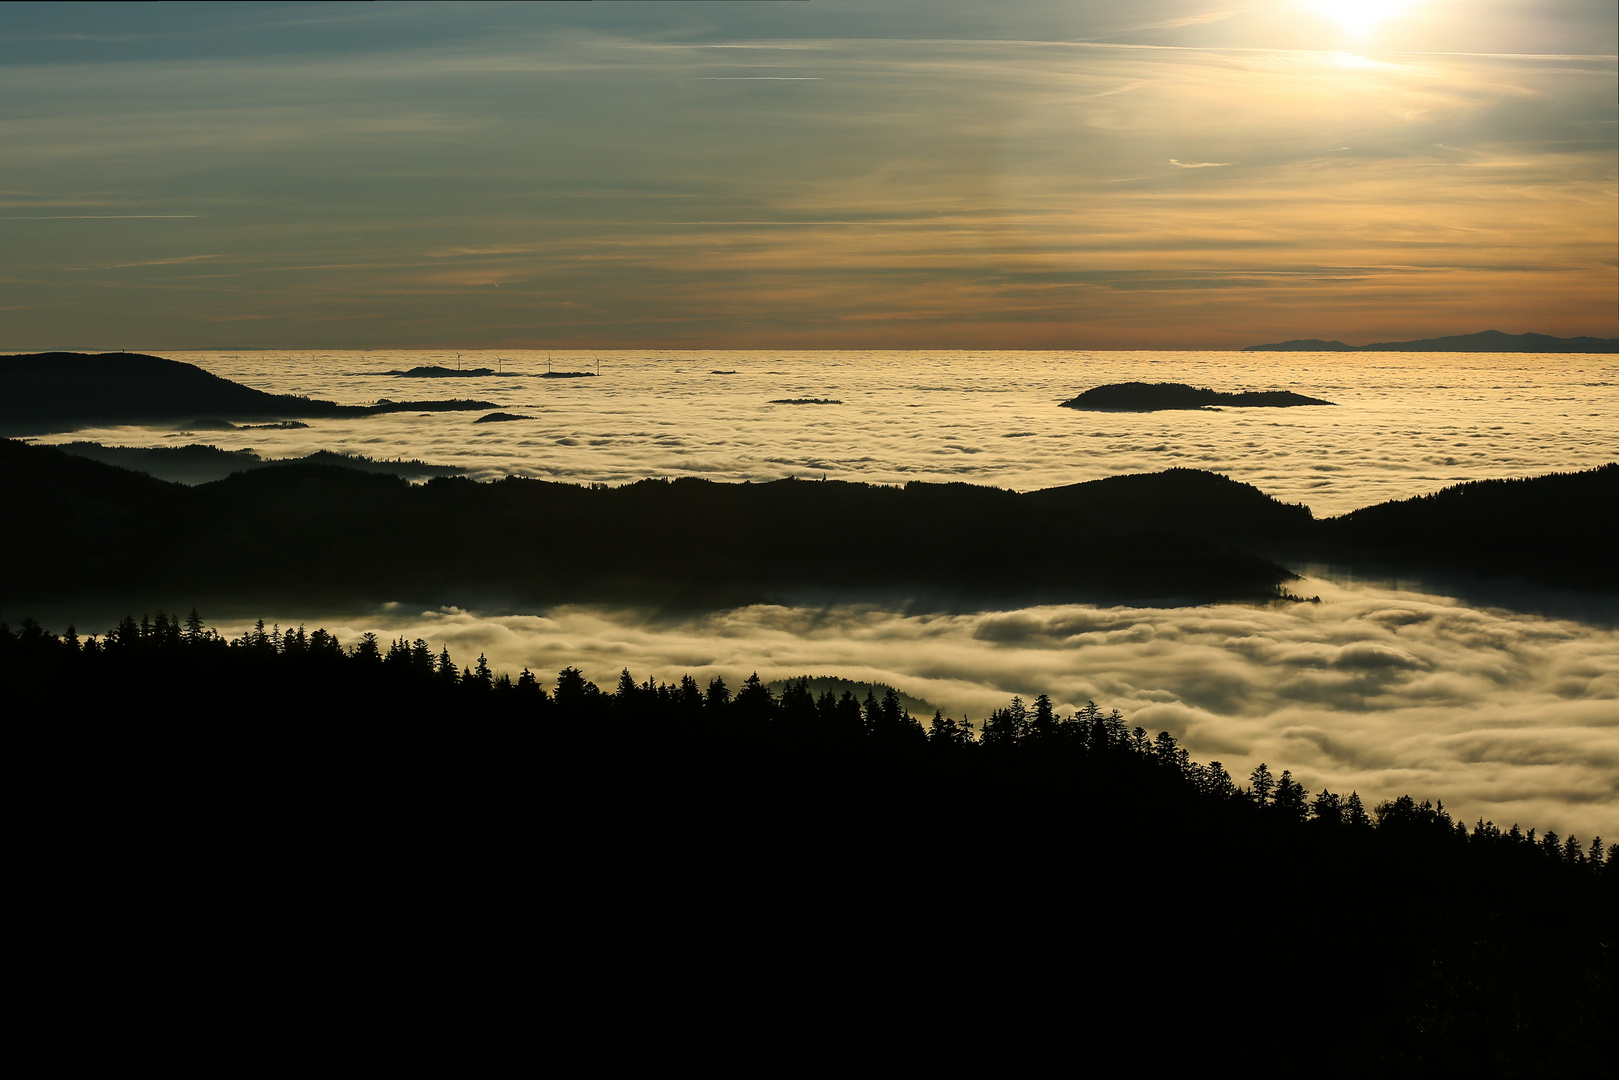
point(732, 870)
point(1149, 397)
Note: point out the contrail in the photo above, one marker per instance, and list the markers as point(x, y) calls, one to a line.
point(96, 217)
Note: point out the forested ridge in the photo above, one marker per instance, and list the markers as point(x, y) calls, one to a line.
point(1182, 535)
point(728, 872)
point(686, 541)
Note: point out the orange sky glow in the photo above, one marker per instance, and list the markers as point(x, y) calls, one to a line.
point(841, 177)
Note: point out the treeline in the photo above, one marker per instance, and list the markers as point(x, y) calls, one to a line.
point(1033, 727)
point(739, 875)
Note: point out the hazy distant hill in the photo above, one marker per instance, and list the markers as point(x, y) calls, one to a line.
point(43, 392)
point(820, 684)
point(198, 464)
point(1487, 341)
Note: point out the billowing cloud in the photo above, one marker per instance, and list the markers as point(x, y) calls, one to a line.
point(1509, 717)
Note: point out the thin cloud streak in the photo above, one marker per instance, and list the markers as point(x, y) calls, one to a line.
point(95, 217)
point(1051, 189)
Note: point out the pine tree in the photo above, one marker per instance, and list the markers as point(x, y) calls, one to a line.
point(421, 659)
point(1043, 724)
point(1261, 783)
point(481, 677)
point(717, 698)
point(366, 652)
point(1290, 796)
point(1327, 808)
point(1355, 814)
point(624, 695)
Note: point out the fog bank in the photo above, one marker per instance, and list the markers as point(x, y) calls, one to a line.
point(1506, 716)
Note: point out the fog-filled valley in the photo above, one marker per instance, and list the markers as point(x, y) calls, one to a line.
point(1490, 692)
point(1403, 424)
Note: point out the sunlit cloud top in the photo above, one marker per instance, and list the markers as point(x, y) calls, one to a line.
point(1165, 174)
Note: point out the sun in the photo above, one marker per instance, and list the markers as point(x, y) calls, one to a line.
point(1360, 17)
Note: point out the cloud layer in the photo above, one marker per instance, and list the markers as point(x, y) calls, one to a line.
point(1509, 717)
point(1404, 425)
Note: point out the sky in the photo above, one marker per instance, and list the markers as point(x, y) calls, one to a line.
point(1164, 174)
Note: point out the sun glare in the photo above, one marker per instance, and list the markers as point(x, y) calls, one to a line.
point(1359, 17)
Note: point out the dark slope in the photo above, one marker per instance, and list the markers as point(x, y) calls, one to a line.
point(315, 533)
point(316, 848)
point(1486, 341)
point(1150, 397)
point(1187, 501)
point(1558, 529)
point(199, 464)
point(42, 392)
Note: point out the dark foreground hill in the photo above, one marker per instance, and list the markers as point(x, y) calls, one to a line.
point(1151, 397)
point(323, 533)
point(1486, 341)
point(42, 392)
point(282, 848)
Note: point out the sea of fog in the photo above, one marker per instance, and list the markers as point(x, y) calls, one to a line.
point(1382, 688)
point(1404, 423)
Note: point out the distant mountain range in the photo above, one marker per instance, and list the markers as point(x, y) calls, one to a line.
point(1487, 341)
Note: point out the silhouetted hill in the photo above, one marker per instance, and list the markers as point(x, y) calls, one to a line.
point(199, 464)
point(685, 541)
point(1302, 345)
point(1177, 536)
point(817, 685)
point(393, 848)
point(432, 371)
point(1486, 341)
point(1149, 397)
point(1558, 529)
point(1179, 500)
point(43, 392)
